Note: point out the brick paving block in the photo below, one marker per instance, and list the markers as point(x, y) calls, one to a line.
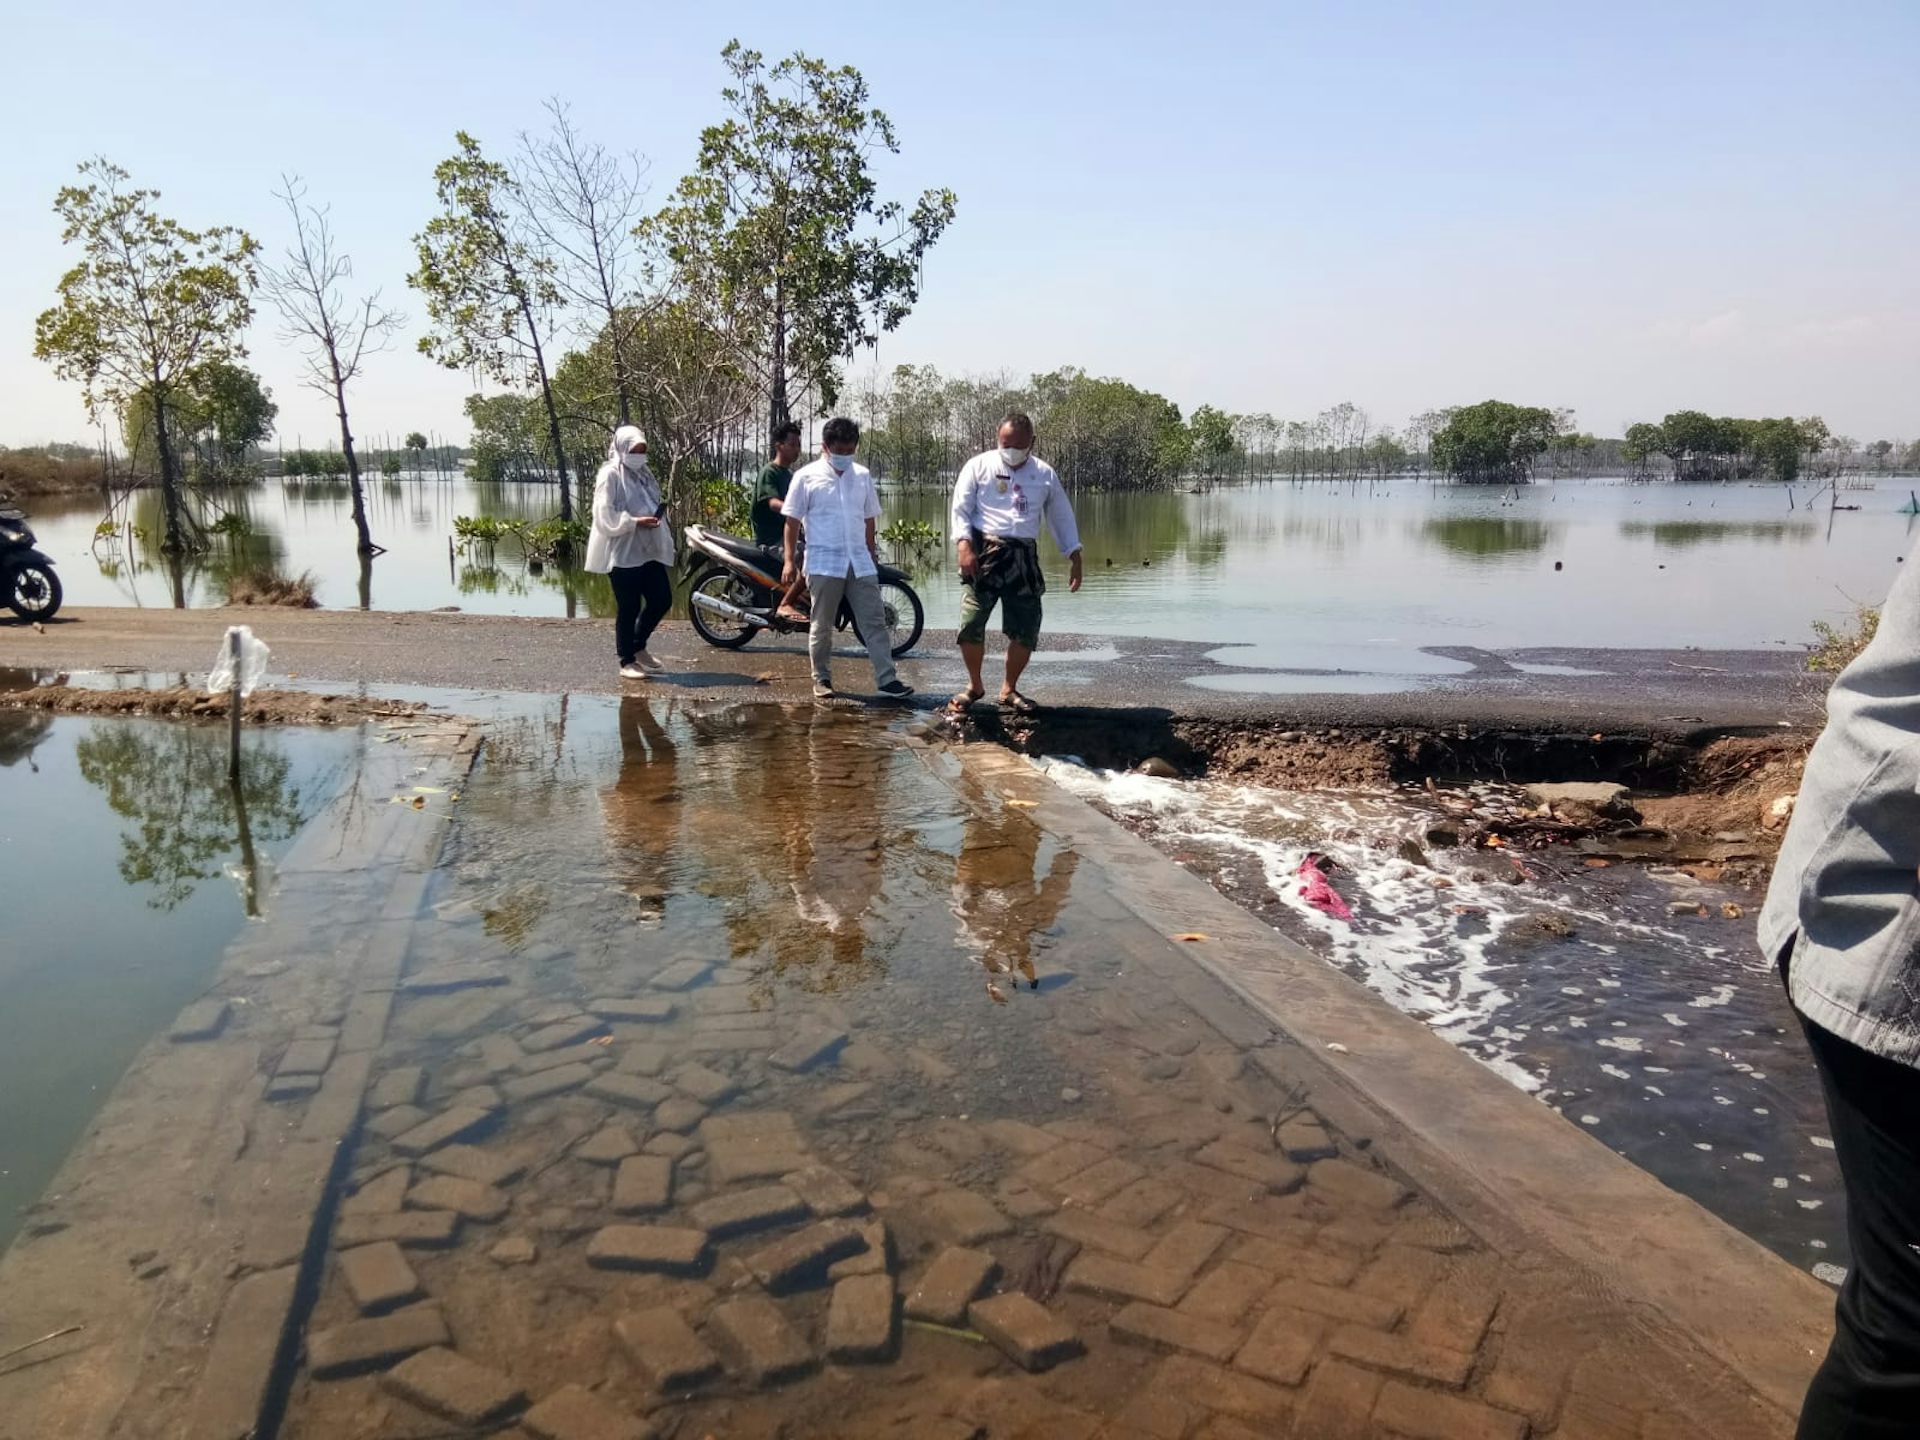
point(1226, 1293)
point(1401, 1355)
point(643, 1057)
point(1424, 1415)
point(1436, 1233)
point(413, 1229)
point(468, 1199)
point(1287, 1261)
point(399, 1086)
point(876, 1259)
point(826, 1192)
point(1164, 1329)
point(1225, 1390)
point(1530, 1373)
point(665, 1249)
point(728, 1042)
point(636, 1092)
point(1187, 1247)
point(721, 998)
point(500, 1053)
point(587, 1053)
point(1090, 1132)
point(1019, 1138)
point(860, 1321)
point(1274, 1171)
point(665, 1347)
point(642, 1185)
point(523, 1088)
point(797, 1261)
point(1282, 1347)
point(397, 1121)
point(1121, 1280)
point(1066, 1158)
point(747, 1158)
point(1141, 1204)
point(1456, 1315)
point(362, 1345)
point(514, 1250)
point(202, 1020)
point(764, 1347)
point(306, 1057)
point(477, 1097)
point(576, 1413)
point(1359, 1309)
point(1151, 1413)
point(608, 1145)
point(740, 1212)
point(1402, 1274)
point(646, 1010)
point(384, 1194)
point(562, 1033)
point(679, 1114)
point(470, 1162)
point(445, 1383)
point(455, 975)
point(681, 975)
point(958, 1139)
point(1588, 1417)
point(950, 1285)
point(237, 1369)
point(751, 1124)
point(1097, 1233)
point(292, 1087)
point(1025, 1331)
point(705, 1084)
point(673, 1146)
point(1338, 1403)
point(443, 1129)
point(1304, 1139)
point(378, 1277)
point(1271, 1217)
point(810, 1047)
point(1342, 1182)
point(965, 1218)
point(1099, 1182)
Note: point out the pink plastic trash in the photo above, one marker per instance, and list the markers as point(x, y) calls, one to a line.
point(1315, 890)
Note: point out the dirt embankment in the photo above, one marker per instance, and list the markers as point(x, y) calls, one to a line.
point(263, 707)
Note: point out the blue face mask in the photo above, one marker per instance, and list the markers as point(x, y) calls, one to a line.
point(840, 463)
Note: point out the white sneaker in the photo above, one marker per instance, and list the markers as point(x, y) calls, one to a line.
point(648, 663)
point(632, 672)
point(822, 690)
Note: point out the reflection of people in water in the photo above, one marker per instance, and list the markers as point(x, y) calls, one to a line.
point(1000, 903)
point(643, 807)
point(831, 826)
point(20, 732)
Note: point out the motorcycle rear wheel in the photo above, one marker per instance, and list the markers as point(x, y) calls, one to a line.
point(33, 592)
point(723, 585)
point(905, 616)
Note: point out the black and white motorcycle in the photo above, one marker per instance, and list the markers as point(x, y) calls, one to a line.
point(736, 595)
point(27, 582)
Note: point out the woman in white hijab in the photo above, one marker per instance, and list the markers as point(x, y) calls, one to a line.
point(631, 544)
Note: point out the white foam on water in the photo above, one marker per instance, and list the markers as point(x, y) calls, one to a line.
point(1720, 995)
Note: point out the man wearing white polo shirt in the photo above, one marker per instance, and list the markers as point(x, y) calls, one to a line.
point(1000, 502)
point(832, 503)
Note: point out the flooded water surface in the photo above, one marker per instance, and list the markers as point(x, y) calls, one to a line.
point(127, 871)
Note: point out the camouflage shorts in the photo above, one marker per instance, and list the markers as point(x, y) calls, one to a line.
point(1019, 616)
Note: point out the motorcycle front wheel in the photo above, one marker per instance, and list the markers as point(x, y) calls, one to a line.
point(729, 589)
point(905, 617)
point(33, 592)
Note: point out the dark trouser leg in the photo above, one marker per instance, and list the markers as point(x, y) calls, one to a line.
point(1868, 1388)
point(656, 595)
point(628, 601)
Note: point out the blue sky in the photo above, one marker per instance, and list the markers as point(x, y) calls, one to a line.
point(1624, 208)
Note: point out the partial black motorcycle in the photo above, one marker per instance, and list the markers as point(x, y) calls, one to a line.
point(27, 582)
point(734, 596)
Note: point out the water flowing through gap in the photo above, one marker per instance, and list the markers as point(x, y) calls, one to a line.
point(1665, 1036)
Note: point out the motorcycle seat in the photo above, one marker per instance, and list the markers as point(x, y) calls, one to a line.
point(758, 556)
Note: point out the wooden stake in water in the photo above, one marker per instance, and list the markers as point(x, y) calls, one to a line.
point(233, 707)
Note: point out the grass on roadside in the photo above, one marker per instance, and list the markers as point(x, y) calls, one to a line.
point(263, 587)
point(1837, 646)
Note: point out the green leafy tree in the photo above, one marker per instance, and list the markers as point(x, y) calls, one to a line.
point(148, 305)
point(783, 215)
point(335, 333)
point(1212, 435)
point(390, 466)
point(489, 285)
point(215, 417)
point(416, 447)
point(1775, 446)
point(1493, 443)
point(1814, 438)
point(1642, 442)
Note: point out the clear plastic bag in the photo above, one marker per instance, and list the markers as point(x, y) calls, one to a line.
point(254, 655)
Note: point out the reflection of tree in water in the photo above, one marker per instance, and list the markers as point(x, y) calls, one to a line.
point(1000, 900)
point(1480, 536)
point(170, 782)
point(1685, 534)
point(20, 732)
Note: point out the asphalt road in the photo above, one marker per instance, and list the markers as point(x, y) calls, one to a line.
point(1617, 690)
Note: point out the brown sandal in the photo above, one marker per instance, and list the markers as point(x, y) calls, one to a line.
point(965, 701)
point(1020, 705)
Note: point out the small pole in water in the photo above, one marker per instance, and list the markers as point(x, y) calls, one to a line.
point(233, 708)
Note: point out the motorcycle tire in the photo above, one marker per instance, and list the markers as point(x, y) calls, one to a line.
point(33, 592)
point(902, 606)
point(734, 591)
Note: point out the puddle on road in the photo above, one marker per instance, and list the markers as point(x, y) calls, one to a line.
point(125, 876)
point(1666, 1037)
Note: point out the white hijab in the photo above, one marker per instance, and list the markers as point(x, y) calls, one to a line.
point(627, 450)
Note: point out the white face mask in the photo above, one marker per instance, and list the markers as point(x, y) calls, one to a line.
point(839, 462)
point(1013, 457)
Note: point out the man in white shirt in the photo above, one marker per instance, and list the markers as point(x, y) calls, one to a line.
point(999, 504)
point(833, 503)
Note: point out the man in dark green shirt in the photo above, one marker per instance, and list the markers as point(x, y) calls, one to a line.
point(769, 525)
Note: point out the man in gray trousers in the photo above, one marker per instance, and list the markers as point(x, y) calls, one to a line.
point(1842, 921)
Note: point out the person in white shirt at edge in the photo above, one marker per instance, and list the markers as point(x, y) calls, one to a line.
point(999, 502)
point(631, 544)
point(833, 503)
